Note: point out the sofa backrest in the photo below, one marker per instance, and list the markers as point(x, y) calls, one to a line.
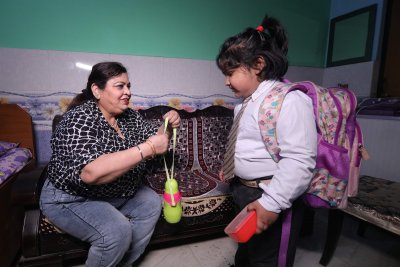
point(201, 138)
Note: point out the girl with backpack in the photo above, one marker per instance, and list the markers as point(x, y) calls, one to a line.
point(254, 62)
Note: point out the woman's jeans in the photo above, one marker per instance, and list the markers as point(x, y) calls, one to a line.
point(118, 229)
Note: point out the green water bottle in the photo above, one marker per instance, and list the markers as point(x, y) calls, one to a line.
point(172, 206)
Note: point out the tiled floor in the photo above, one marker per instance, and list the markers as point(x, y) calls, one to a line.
point(376, 248)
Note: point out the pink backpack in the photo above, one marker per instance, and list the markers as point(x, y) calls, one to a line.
point(340, 144)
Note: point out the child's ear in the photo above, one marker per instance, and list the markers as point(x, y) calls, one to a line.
point(260, 64)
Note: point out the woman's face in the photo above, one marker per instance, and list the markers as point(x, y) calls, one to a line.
point(242, 81)
point(114, 98)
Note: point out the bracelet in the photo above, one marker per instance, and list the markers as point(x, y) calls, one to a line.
point(152, 147)
point(141, 154)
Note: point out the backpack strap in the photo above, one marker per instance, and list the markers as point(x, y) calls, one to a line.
point(270, 108)
point(267, 118)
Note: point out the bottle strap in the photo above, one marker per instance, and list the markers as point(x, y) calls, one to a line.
point(173, 159)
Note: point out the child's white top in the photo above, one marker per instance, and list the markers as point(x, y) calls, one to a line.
point(297, 139)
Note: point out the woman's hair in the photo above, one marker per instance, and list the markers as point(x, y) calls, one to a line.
point(101, 73)
point(268, 41)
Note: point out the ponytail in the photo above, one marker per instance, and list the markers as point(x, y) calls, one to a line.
point(268, 41)
point(81, 98)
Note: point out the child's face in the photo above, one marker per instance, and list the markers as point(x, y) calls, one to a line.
point(242, 81)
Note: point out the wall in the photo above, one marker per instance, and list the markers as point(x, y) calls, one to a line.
point(173, 29)
point(381, 134)
point(39, 49)
point(44, 81)
point(360, 77)
point(169, 49)
point(340, 7)
point(381, 137)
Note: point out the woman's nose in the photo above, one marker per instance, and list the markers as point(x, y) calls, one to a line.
point(127, 90)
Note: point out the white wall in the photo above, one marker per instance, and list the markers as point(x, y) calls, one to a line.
point(382, 141)
point(358, 76)
point(26, 71)
point(39, 71)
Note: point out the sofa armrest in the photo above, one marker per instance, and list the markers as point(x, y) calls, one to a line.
point(30, 230)
point(27, 187)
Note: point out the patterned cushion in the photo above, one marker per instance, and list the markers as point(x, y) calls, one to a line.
point(6, 146)
point(212, 133)
point(13, 161)
point(199, 152)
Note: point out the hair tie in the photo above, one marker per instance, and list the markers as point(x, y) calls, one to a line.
point(260, 28)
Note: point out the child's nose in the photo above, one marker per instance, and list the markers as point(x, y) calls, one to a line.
point(227, 82)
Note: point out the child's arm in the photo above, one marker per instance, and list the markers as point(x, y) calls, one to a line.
point(297, 140)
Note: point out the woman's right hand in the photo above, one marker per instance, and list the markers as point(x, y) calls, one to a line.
point(160, 143)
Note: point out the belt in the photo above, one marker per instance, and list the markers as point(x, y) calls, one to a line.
point(254, 183)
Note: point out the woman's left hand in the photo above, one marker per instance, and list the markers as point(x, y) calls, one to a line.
point(174, 120)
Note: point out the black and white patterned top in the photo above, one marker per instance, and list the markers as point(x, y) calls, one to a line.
point(84, 135)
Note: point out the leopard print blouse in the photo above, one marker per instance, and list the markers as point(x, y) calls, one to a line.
point(84, 135)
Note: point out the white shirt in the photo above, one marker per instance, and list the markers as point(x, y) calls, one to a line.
point(297, 140)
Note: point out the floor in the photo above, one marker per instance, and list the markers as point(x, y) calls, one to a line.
point(376, 248)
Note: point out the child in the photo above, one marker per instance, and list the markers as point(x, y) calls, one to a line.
point(253, 62)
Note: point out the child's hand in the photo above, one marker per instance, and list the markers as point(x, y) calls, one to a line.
point(265, 218)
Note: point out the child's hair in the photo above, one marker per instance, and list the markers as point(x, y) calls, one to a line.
point(268, 41)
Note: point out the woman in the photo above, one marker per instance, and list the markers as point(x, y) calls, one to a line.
point(93, 189)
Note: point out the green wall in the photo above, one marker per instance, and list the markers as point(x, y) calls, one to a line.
point(173, 28)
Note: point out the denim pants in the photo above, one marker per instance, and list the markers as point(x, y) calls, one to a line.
point(118, 229)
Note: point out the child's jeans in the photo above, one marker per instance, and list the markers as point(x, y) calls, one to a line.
point(118, 229)
point(262, 250)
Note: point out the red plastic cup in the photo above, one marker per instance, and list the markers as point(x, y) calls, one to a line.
point(243, 226)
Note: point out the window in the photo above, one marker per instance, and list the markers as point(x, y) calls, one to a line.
point(351, 37)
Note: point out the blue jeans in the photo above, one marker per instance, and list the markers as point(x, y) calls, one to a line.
point(118, 229)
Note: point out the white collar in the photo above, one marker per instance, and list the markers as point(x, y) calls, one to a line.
point(264, 86)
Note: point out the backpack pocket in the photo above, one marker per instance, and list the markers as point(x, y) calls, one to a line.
point(330, 175)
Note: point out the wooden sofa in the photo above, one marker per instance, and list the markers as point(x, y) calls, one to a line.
point(207, 204)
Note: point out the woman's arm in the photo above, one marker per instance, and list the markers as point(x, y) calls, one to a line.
point(109, 167)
